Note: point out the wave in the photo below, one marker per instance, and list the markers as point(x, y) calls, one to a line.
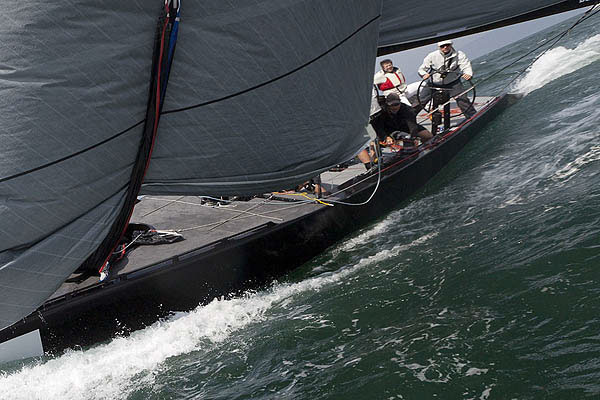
point(377, 230)
point(569, 170)
point(556, 63)
point(119, 368)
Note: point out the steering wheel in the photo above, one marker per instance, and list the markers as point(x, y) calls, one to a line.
point(428, 105)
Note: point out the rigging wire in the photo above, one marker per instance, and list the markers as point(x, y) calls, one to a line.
point(161, 207)
point(236, 216)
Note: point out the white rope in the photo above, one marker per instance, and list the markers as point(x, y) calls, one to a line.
point(218, 208)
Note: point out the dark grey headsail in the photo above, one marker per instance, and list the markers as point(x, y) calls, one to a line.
point(74, 83)
point(288, 84)
point(264, 95)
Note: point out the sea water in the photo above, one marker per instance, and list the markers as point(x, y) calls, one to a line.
point(484, 285)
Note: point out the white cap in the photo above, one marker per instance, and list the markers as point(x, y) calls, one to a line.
point(443, 42)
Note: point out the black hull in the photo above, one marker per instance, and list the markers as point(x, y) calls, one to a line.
point(247, 260)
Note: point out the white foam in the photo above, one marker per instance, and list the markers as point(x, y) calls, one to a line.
point(486, 393)
point(476, 371)
point(569, 170)
point(117, 369)
point(558, 62)
point(364, 237)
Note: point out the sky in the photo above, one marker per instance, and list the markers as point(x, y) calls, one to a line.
point(476, 45)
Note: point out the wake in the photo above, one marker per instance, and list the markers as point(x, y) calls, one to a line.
point(119, 368)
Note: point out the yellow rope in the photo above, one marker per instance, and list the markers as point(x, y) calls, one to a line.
point(306, 196)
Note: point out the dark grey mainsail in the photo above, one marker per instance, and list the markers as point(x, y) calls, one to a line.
point(412, 23)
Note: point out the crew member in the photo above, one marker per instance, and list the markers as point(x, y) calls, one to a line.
point(389, 79)
point(398, 117)
point(446, 66)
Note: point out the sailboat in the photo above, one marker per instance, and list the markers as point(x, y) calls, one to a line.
point(107, 101)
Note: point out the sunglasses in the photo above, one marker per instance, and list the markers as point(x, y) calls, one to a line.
point(445, 45)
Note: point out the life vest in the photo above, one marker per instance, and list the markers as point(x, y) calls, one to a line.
point(393, 80)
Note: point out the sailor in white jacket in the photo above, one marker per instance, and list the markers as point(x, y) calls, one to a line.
point(446, 66)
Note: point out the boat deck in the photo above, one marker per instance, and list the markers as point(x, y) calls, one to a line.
point(203, 223)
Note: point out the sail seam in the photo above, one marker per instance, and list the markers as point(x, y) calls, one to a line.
point(276, 78)
point(71, 155)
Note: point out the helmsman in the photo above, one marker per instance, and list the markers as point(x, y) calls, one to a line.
point(446, 66)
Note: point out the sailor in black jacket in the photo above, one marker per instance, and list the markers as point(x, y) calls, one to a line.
point(397, 117)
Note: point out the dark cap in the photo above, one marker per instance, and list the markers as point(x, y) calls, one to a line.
point(392, 99)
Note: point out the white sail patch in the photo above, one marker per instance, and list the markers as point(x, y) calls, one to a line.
point(24, 346)
point(558, 62)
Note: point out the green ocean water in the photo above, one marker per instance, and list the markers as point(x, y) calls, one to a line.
point(484, 285)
